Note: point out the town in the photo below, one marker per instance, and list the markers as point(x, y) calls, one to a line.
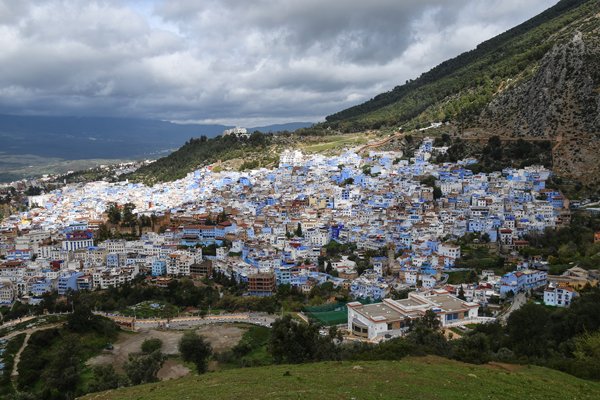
point(387, 230)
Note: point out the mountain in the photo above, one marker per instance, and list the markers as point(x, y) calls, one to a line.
point(412, 378)
point(74, 138)
point(95, 137)
point(36, 145)
point(537, 81)
point(290, 127)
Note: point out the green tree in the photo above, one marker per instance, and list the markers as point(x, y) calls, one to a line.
point(461, 293)
point(144, 368)
point(106, 378)
point(299, 230)
point(473, 348)
point(129, 218)
point(114, 214)
point(62, 375)
point(329, 268)
point(81, 319)
point(587, 353)
point(294, 342)
point(102, 234)
point(526, 330)
point(196, 349)
point(151, 345)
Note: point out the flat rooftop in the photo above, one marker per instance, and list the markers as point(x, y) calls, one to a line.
point(448, 303)
point(379, 311)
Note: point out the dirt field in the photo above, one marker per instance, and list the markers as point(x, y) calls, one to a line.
point(172, 369)
point(221, 337)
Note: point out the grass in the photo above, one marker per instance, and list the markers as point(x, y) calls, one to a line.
point(45, 346)
point(151, 309)
point(422, 378)
point(458, 277)
point(335, 142)
point(251, 351)
point(11, 348)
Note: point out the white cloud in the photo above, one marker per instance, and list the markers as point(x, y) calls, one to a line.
point(230, 60)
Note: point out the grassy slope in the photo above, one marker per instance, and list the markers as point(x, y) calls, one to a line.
point(420, 378)
point(459, 88)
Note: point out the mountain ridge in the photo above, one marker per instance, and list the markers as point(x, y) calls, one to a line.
point(539, 80)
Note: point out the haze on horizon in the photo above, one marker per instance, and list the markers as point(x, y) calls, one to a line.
point(230, 61)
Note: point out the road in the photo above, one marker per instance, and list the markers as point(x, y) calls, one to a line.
point(518, 301)
point(14, 322)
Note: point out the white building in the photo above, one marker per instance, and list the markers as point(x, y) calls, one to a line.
point(7, 292)
point(392, 317)
point(560, 296)
point(291, 158)
point(236, 131)
point(449, 250)
point(78, 240)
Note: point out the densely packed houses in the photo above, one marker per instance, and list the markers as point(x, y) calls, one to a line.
point(270, 226)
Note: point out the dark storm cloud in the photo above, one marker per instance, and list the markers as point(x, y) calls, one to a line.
point(230, 60)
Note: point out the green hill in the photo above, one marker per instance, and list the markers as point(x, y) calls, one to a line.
point(468, 82)
point(198, 152)
point(413, 378)
point(539, 80)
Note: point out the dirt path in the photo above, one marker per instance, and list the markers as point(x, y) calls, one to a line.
point(15, 372)
point(380, 143)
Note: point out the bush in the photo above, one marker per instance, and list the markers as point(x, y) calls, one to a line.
point(151, 345)
point(144, 368)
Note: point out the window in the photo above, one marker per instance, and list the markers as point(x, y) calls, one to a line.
point(451, 317)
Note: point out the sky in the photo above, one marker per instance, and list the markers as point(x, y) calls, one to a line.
point(230, 61)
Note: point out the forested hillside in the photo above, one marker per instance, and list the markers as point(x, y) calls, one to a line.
point(198, 152)
point(471, 78)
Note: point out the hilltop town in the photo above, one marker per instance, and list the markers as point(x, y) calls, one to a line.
point(372, 225)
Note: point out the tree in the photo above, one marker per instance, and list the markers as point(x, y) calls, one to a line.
point(106, 378)
point(222, 217)
point(81, 319)
point(151, 345)
point(195, 349)
point(63, 374)
point(329, 268)
point(587, 353)
point(293, 342)
point(144, 368)
point(128, 218)
point(114, 214)
point(473, 348)
point(527, 330)
point(299, 230)
point(461, 293)
point(102, 234)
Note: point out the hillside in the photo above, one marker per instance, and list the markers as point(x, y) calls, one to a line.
point(417, 378)
point(230, 152)
point(539, 80)
point(198, 152)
